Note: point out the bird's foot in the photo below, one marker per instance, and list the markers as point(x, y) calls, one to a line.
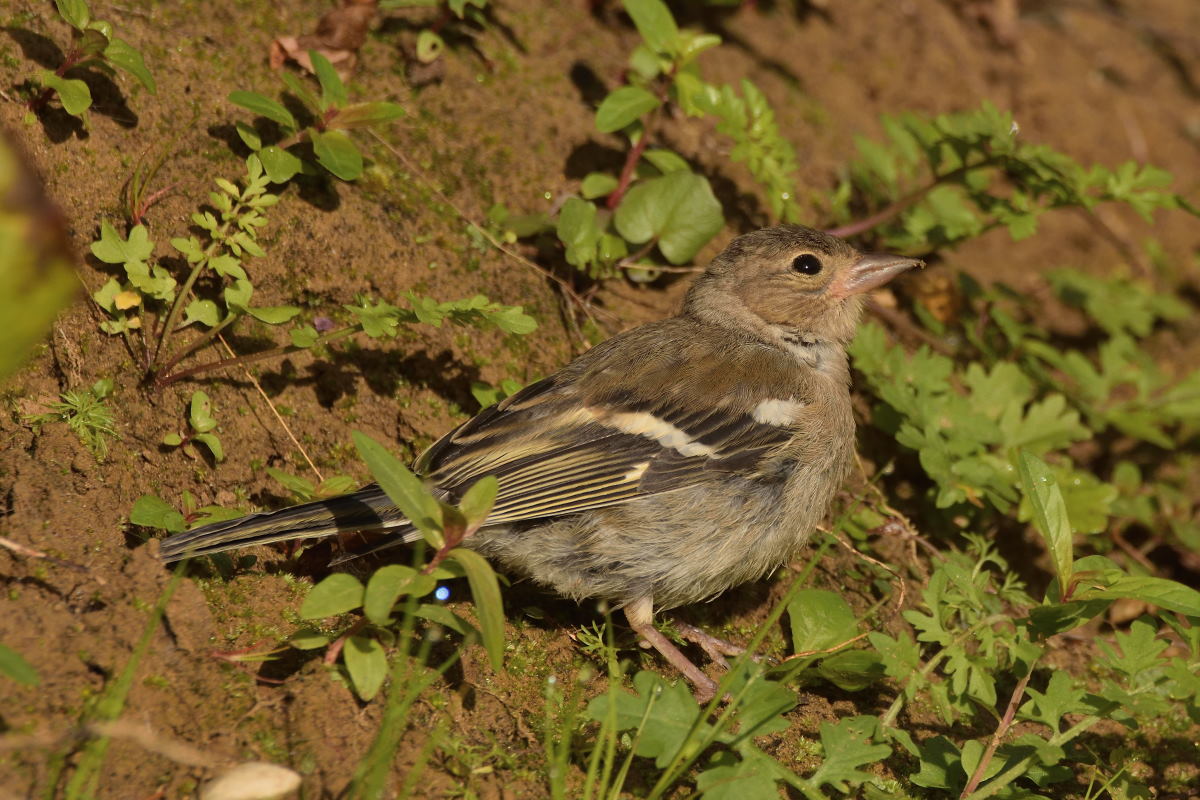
point(715, 647)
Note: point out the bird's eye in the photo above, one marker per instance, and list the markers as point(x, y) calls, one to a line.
point(807, 264)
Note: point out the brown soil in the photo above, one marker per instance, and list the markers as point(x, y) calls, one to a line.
point(509, 121)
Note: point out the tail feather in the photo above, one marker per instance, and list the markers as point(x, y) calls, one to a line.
point(368, 509)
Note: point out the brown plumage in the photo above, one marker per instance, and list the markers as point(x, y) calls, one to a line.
point(666, 465)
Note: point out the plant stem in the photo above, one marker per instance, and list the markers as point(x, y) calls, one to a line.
point(1006, 722)
point(896, 208)
point(200, 341)
point(177, 306)
point(274, 352)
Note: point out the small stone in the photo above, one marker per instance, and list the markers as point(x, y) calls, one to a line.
point(253, 780)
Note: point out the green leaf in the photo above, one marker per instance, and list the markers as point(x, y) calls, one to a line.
point(300, 487)
point(362, 115)
point(477, 503)
point(597, 184)
point(749, 778)
point(203, 311)
point(112, 249)
point(1049, 512)
point(303, 336)
point(280, 165)
point(248, 135)
point(336, 153)
point(852, 670)
point(402, 487)
point(366, 662)
point(666, 161)
point(429, 46)
point(655, 24)
point(273, 315)
point(265, 107)
point(237, 296)
point(666, 714)
point(489, 607)
point(623, 107)
point(13, 666)
point(213, 444)
point(335, 595)
point(154, 512)
point(1168, 594)
point(678, 209)
point(578, 230)
point(820, 619)
point(120, 54)
point(200, 414)
point(386, 586)
point(846, 749)
point(309, 639)
point(172, 440)
point(74, 12)
point(333, 91)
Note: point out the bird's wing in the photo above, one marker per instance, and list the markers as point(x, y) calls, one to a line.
point(627, 422)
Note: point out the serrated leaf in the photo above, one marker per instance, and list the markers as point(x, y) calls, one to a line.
point(112, 249)
point(203, 311)
point(335, 595)
point(366, 663)
point(846, 749)
point(669, 711)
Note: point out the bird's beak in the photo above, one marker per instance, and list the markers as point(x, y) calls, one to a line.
point(870, 272)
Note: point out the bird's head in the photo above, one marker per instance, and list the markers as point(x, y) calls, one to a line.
point(791, 278)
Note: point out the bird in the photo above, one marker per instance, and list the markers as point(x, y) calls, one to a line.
point(665, 465)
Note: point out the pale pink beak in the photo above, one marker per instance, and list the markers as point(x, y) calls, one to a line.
point(870, 272)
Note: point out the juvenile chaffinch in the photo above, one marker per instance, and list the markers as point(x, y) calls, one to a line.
point(664, 466)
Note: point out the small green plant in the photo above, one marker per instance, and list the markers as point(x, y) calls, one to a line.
point(202, 424)
point(443, 527)
point(149, 307)
point(333, 114)
point(941, 180)
point(92, 45)
point(87, 414)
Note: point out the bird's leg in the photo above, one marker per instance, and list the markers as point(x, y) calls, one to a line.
point(640, 614)
point(716, 647)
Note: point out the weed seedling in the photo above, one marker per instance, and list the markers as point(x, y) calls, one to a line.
point(86, 413)
point(201, 424)
point(92, 45)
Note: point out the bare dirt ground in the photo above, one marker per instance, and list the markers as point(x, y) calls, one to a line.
point(510, 120)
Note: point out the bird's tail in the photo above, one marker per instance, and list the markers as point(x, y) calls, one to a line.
point(368, 509)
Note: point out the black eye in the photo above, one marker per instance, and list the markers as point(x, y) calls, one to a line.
point(807, 264)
